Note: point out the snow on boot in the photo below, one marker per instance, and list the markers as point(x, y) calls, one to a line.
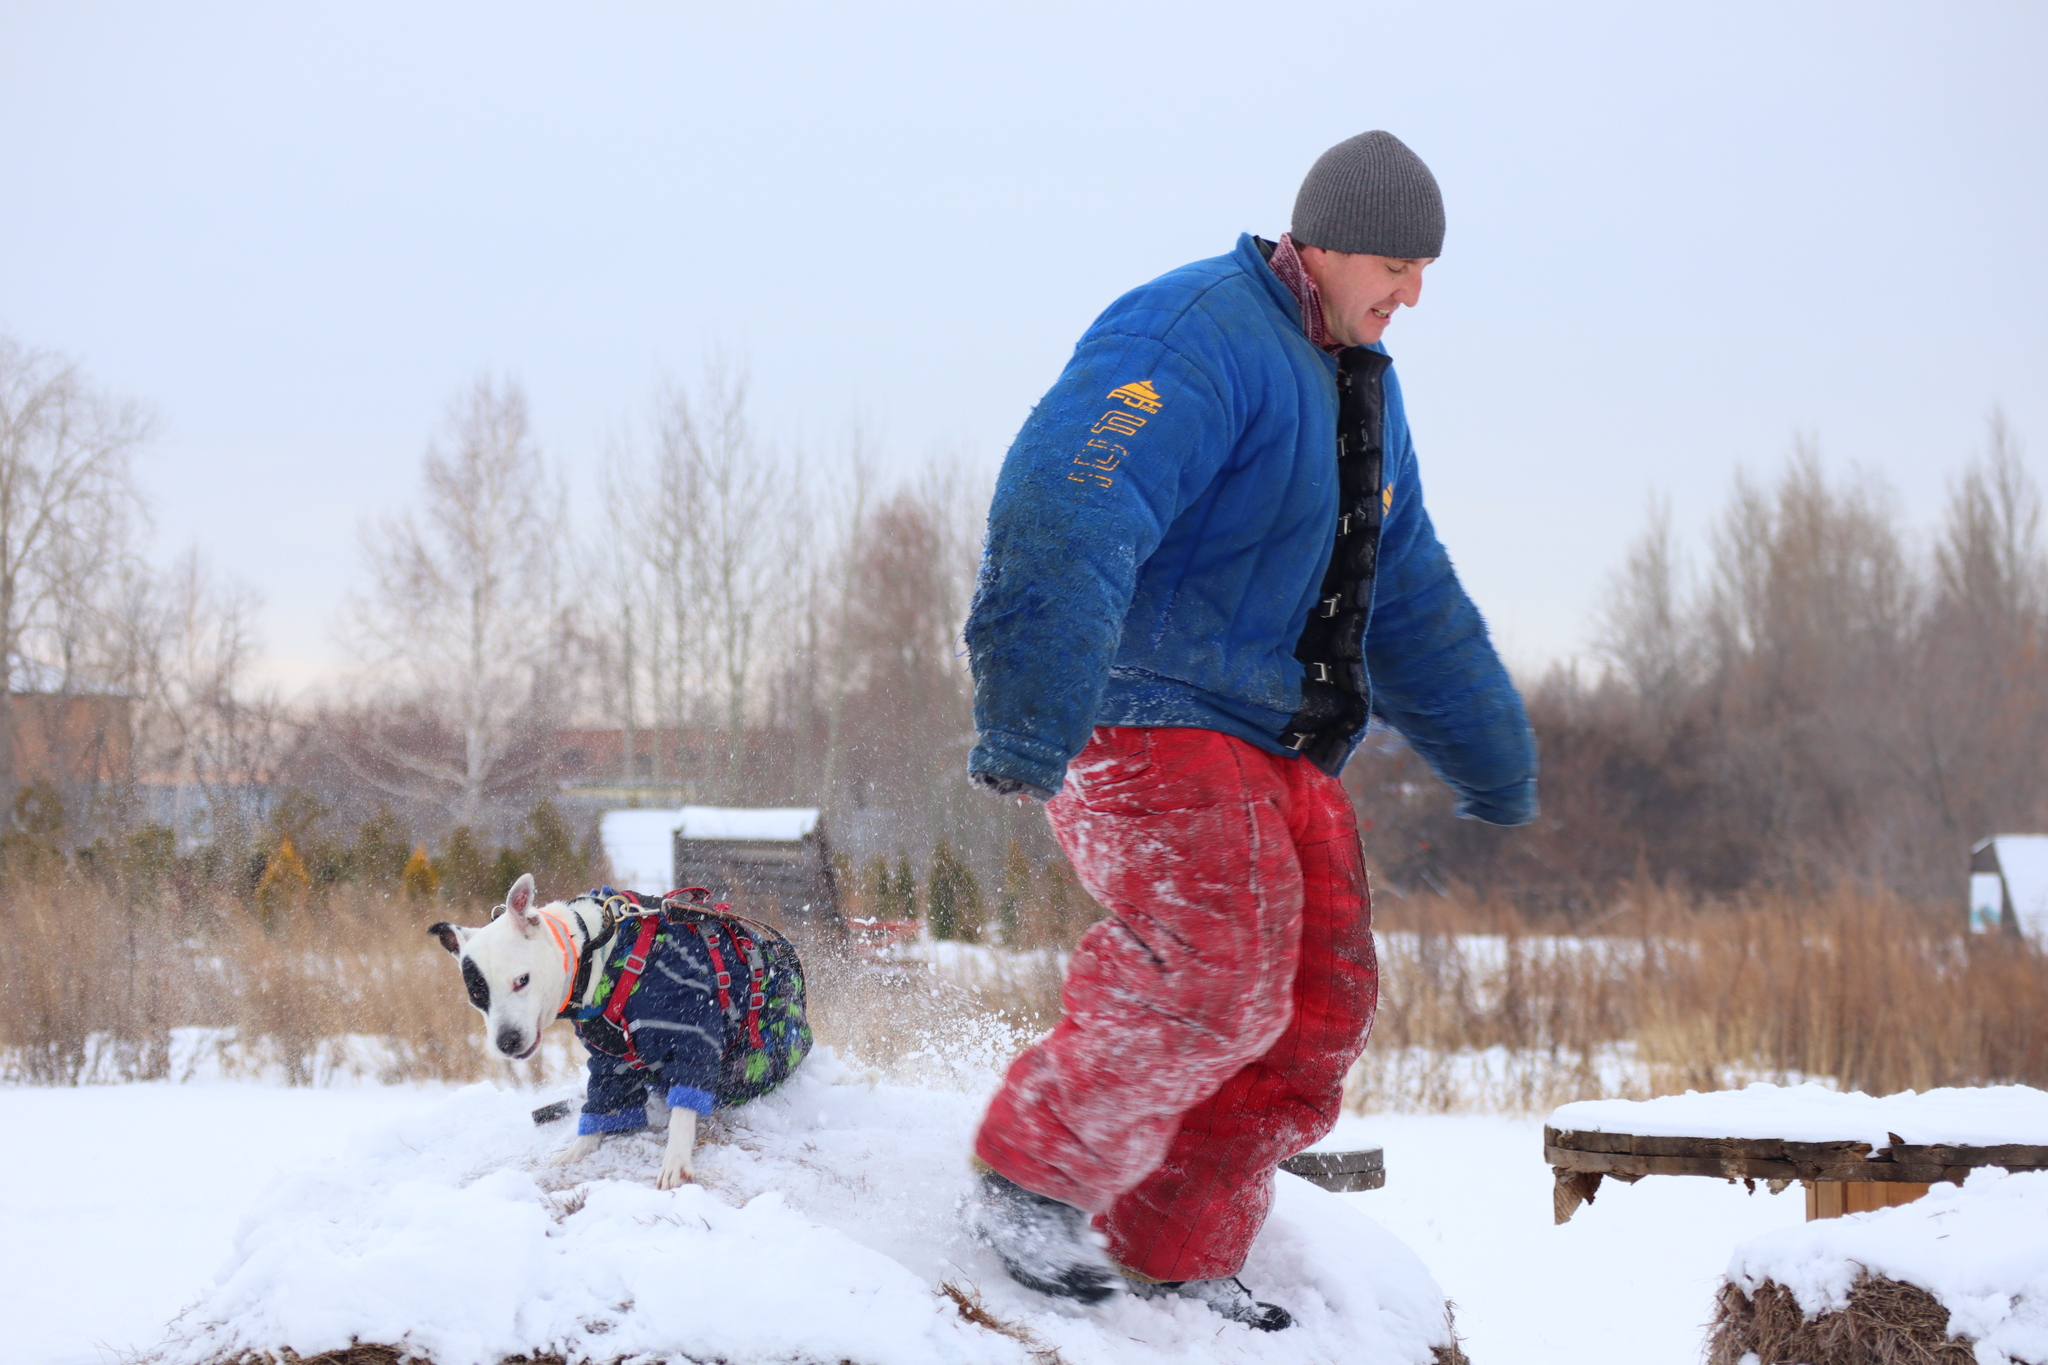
point(1226, 1296)
point(1042, 1243)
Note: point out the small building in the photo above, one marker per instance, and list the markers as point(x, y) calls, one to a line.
point(70, 739)
point(774, 862)
point(2009, 886)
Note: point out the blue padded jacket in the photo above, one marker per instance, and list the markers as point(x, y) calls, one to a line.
point(1160, 531)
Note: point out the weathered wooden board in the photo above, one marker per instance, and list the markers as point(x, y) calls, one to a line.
point(1343, 1172)
point(1580, 1160)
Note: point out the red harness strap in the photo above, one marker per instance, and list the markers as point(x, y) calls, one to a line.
point(622, 989)
point(724, 977)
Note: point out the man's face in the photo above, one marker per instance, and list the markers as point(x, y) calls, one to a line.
point(1360, 293)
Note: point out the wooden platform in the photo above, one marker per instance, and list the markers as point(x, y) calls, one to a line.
point(1344, 1172)
point(1580, 1161)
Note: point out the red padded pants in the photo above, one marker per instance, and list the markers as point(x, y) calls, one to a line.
point(1210, 1019)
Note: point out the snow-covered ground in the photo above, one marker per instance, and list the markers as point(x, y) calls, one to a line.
point(125, 1203)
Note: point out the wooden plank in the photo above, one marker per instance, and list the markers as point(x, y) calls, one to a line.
point(1617, 1163)
point(1661, 1145)
point(2011, 1156)
point(1588, 1142)
point(1890, 1172)
point(1866, 1196)
point(1313, 1164)
point(1760, 1149)
point(1826, 1151)
point(1823, 1199)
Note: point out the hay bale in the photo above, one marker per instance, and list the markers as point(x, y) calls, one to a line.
point(1885, 1322)
point(966, 1300)
point(364, 1355)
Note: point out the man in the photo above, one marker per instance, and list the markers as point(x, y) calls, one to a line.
point(1208, 566)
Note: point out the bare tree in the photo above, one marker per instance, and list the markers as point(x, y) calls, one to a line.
point(1989, 564)
point(722, 531)
point(458, 621)
point(860, 480)
point(738, 542)
point(1642, 629)
point(67, 504)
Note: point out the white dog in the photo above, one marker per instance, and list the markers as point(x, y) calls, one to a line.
point(521, 971)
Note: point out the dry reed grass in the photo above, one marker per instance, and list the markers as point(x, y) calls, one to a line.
point(1480, 1008)
point(1666, 994)
point(1885, 1322)
point(98, 976)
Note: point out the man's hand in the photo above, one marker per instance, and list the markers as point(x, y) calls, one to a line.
point(1010, 786)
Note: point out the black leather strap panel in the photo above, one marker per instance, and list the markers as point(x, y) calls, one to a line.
point(1335, 698)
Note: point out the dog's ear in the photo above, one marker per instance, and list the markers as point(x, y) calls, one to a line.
point(452, 936)
point(519, 904)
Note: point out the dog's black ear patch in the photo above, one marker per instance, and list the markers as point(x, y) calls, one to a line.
point(446, 933)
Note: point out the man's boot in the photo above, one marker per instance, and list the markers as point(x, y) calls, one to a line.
point(1043, 1244)
point(1226, 1296)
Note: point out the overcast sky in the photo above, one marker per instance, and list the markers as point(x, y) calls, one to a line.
point(1678, 236)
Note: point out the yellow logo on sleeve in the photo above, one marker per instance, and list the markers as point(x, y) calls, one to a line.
point(1140, 395)
point(1387, 499)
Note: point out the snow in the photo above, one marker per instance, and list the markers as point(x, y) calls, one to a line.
point(1630, 1279)
point(640, 844)
point(1985, 1116)
point(121, 1200)
point(1469, 1194)
point(720, 822)
point(1978, 1248)
point(823, 1230)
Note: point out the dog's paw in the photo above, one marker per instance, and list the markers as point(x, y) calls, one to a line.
point(582, 1147)
point(676, 1157)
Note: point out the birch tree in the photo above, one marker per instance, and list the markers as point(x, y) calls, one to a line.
point(457, 620)
point(67, 504)
point(723, 540)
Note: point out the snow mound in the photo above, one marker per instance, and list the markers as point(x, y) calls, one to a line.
point(1977, 1248)
point(823, 1231)
point(1985, 1116)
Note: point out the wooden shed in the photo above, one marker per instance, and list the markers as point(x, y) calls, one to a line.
point(776, 862)
point(2009, 886)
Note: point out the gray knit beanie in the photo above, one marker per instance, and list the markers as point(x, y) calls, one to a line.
point(1370, 196)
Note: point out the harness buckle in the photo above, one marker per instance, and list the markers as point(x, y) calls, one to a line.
point(1322, 672)
point(725, 981)
point(635, 963)
point(1330, 606)
point(1301, 739)
point(755, 1001)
